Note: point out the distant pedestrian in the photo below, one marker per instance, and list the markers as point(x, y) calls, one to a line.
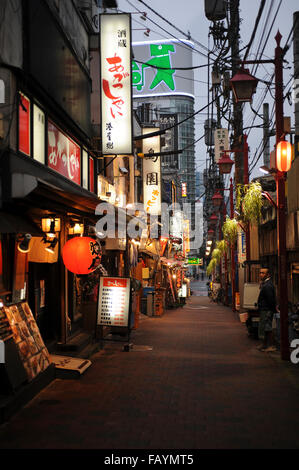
point(267, 307)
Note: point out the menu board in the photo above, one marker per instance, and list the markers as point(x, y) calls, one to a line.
point(114, 301)
point(26, 335)
point(5, 328)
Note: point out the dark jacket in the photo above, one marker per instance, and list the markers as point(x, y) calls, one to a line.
point(267, 296)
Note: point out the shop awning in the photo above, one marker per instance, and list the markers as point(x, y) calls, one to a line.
point(14, 223)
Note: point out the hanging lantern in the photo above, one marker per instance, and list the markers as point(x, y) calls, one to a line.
point(217, 199)
point(283, 156)
point(82, 255)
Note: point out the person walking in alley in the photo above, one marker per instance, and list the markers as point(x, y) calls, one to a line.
point(267, 307)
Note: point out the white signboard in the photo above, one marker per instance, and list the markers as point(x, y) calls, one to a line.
point(151, 174)
point(162, 67)
point(116, 79)
point(114, 301)
point(221, 142)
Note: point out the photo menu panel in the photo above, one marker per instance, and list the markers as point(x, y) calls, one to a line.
point(32, 350)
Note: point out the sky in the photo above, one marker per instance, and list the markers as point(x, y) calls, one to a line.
point(189, 16)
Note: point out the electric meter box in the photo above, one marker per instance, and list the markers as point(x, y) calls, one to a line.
point(251, 293)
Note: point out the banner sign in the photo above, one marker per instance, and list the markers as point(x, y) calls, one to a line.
point(221, 142)
point(151, 174)
point(64, 155)
point(114, 301)
point(116, 84)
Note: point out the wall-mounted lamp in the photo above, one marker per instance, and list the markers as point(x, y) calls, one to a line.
point(76, 229)
point(51, 225)
point(23, 245)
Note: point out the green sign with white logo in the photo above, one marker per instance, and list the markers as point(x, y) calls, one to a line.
point(196, 261)
point(155, 65)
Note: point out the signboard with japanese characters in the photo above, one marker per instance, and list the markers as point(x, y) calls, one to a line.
point(64, 155)
point(241, 246)
point(221, 142)
point(151, 174)
point(184, 189)
point(116, 84)
point(114, 302)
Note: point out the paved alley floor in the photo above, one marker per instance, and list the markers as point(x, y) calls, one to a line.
point(194, 381)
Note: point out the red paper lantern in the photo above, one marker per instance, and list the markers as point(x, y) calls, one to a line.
point(283, 156)
point(81, 255)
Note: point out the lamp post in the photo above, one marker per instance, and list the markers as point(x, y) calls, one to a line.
point(280, 180)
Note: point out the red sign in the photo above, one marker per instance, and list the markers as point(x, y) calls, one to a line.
point(114, 301)
point(64, 155)
point(24, 125)
point(115, 282)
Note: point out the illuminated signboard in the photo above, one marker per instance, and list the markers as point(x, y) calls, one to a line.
point(116, 89)
point(64, 155)
point(157, 68)
point(184, 189)
point(114, 301)
point(151, 174)
point(194, 261)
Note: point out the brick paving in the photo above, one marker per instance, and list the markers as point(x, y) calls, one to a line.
point(203, 385)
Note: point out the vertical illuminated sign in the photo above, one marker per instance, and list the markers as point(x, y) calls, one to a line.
point(184, 189)
point(24, 124)
point(151, 174)
point(116, 84)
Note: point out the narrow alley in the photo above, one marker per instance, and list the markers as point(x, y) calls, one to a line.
point(192, 380)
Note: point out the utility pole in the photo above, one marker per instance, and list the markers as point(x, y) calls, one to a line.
point(237, 107)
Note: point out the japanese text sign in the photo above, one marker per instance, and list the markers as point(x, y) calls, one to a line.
point(151, 174)
point(221, 143)
point(116, 84)
point(64, 156)
point(114, 301)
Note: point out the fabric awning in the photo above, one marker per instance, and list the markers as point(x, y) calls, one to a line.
point(14, 223)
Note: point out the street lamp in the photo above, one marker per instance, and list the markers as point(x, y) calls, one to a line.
point(217, 199)
point(213, 219)
point(225, 163)
point(244, 86)
point(246, 95)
